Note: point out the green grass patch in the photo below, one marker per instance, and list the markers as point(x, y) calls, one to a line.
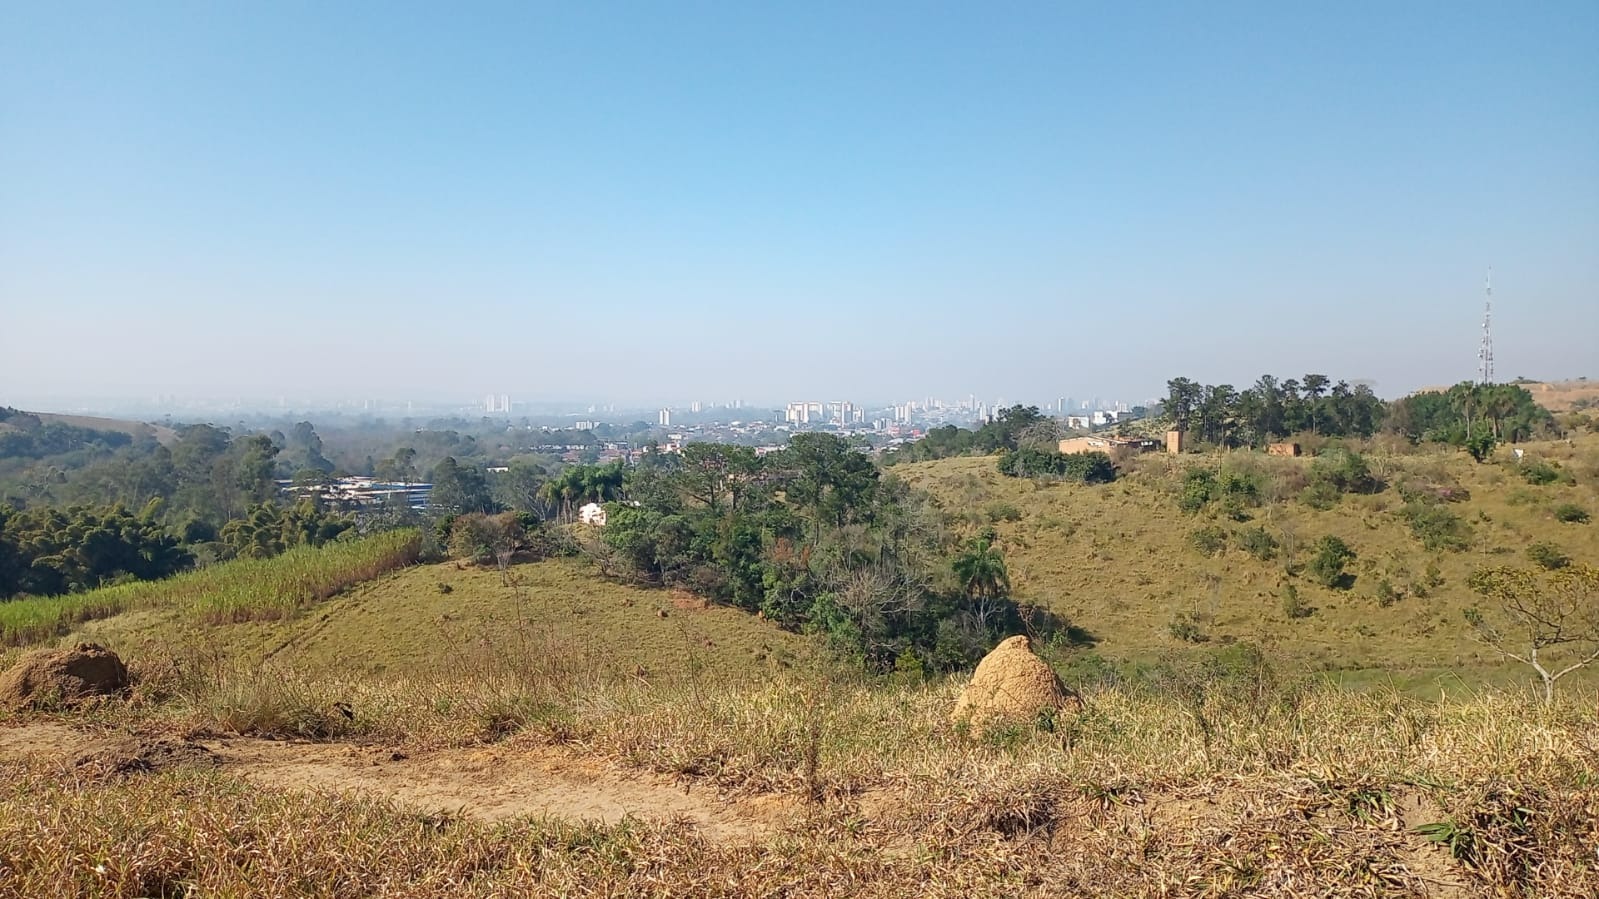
point(241, 590)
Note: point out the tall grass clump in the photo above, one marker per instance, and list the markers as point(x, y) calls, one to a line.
point(241, 590)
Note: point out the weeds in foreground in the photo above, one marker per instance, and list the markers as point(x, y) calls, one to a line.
point(1215, 772)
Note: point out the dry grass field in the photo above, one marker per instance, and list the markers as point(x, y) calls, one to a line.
point(1564, 396)
point(544, 780)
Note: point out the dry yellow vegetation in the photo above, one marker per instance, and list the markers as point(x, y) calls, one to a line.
point(1120, 560)
point(1239, 785)
point(1563, 396)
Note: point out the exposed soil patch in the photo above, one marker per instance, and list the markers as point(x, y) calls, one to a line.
point(42, 740)
point(1430, 862)
point(490, 784)
point(129, 755)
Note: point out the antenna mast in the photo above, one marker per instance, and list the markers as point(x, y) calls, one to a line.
point(1485, 352)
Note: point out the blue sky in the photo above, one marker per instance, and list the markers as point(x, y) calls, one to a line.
point(663, 202)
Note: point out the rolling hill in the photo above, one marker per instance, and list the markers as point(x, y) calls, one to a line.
point(1121, 561)
point(443, 619)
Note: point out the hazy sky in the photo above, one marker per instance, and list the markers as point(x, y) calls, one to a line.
point(676, 201)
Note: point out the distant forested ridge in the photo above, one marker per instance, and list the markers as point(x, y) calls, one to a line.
point(25, 436)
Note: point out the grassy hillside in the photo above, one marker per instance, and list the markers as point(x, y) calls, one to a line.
point(1121, 560)
point(443, 619)
point(135, 429)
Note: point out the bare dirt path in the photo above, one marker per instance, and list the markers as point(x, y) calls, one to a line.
point(491, 783)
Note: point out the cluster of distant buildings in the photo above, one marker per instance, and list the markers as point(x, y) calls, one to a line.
point(841, 413)
point(358, 492)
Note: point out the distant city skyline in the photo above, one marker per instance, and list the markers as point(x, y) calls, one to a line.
point(655, 203)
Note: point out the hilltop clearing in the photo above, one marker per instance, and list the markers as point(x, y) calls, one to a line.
point(337, 722)
point(1565, 396)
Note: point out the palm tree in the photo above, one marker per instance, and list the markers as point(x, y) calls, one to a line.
point(981, 571)
point(1465, 398)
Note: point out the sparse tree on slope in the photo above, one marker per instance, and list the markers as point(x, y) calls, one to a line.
point(1538, 611)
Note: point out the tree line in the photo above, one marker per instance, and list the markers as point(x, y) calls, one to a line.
point(1271, 409)
point(209, 496)
point(1468, 415)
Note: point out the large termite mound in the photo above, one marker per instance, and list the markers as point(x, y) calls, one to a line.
point(1011, 685)
point(46, 678)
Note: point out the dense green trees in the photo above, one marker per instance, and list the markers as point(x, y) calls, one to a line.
point(270, 529)
point(522, 486)
point(815, 539)
point(205, 473)
point(459, 489)
point(48, 551)
point(1087, 468)
point(1009, 429)
point(1270, 409)
point(576, 486)
point(1470, 415)
point(302, 450)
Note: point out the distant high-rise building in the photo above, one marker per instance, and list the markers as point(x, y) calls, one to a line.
point(665, 418)
point(802, 413)
point(695, 407)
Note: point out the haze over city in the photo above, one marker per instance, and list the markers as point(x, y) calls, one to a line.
point(648, 205)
